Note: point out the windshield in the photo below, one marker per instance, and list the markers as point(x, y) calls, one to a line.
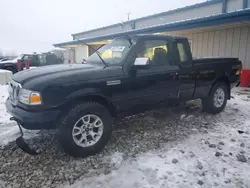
point(112, 53)
point(18, 57)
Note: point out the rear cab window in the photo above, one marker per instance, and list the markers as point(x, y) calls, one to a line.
point(183, 52)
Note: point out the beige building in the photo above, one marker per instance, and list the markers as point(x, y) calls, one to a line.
point(214, 28)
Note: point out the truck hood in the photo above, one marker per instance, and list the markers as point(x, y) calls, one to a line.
point(46, 71)
point(63, 74)
point(8, 61)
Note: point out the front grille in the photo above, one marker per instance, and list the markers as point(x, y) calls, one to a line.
point(14, 89)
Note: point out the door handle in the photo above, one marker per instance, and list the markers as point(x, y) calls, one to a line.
point(173, 75)
point(176, 75)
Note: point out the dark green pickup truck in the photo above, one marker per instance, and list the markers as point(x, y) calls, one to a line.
point(129, 75)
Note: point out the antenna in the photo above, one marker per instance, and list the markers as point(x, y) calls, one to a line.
point(122, 24)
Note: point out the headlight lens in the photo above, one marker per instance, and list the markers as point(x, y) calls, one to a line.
point(29, 97)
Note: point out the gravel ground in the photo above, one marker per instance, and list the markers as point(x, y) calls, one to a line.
point(132, 137)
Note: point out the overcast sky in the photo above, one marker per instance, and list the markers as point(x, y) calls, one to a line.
point(34, 25)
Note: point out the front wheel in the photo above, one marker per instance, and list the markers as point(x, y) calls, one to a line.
point(216, 100)
point(86, 129)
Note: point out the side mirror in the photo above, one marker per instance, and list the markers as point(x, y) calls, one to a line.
point(141, 62)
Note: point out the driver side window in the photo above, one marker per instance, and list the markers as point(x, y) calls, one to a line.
point(156, 51)
point(25, 57)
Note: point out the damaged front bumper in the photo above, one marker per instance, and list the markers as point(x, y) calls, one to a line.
point(21, 143)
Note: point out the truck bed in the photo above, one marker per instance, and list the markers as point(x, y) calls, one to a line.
point(214, 59)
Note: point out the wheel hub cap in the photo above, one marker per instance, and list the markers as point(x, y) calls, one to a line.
point(219, 97)
point(88, 130)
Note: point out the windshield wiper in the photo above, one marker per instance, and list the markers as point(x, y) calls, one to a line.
point(96, 51)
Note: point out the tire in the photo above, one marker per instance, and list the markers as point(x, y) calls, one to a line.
point(70, 124)
point(215, 102)
point(12, 69)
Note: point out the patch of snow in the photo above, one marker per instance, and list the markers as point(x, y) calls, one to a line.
point(183, 116)
point(5, 76)
point(9, 130)
point(3, 71)
point(29, 68)
point(4, 117)
point(117, 159)
point(198, 164)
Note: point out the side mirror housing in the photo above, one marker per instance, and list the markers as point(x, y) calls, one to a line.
point(141, 62)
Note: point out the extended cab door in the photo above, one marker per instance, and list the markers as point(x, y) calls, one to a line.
point(186, 74)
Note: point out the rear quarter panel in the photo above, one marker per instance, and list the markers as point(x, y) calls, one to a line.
point(208, 71)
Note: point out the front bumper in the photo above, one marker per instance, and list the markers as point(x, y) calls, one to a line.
point(34, 120)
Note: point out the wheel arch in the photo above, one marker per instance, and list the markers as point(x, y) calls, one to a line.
point(74, 99)
point(223, 79)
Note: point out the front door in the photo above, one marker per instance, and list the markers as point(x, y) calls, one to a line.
point(155, 84)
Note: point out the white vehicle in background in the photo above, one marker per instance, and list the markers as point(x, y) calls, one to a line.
point(3, 59)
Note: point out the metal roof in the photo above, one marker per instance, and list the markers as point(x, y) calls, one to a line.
point(210, 28)
point(197, 5)
point(212, 20)
point(143, 36)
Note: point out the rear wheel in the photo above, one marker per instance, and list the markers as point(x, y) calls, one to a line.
point(217, 99)
point(86, 129)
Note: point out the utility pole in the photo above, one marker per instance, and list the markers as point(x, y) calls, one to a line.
point(128, 14)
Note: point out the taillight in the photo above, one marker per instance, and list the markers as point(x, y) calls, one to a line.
point(239, 70)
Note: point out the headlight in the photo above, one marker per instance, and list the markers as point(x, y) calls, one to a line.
point(29, 97)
